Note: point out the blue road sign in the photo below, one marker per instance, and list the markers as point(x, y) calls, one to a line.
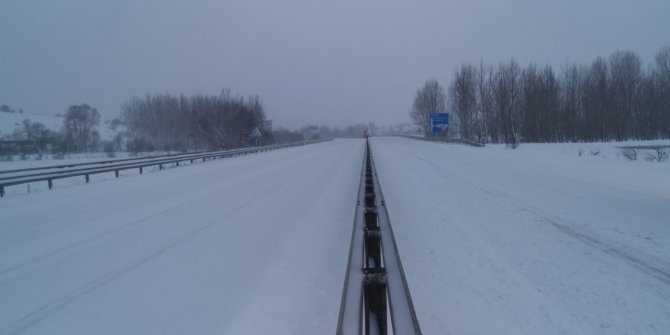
point(439, 122)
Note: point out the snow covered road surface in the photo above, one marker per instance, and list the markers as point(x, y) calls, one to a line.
point(249, 245)
point(498, 241)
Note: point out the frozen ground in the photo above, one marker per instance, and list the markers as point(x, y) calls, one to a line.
point(247, 245)
point(538, 240)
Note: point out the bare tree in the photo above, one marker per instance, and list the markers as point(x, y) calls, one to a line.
point(429, 99)
point(484, 94)
point(463, 101)
point(78, 125)
point(572, 114)
point(506, 93)
point(596, 101)
point(610, 99)
point(37, 133)
point(167, 122)
point(661, 74)
point(540, 105)
point(625, 77)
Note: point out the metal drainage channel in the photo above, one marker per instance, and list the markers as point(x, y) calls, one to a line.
point(375, 298)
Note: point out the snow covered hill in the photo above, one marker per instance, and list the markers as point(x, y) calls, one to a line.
point(11, 121)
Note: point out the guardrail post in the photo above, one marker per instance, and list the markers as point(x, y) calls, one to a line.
point(2, 191)
point(371, 218)
point(116, 173)
point(177, 162)
point(160, 166)
point(140, 170)
point(87, 178)
point(369, 200)
point(51, 183)
point(374, 288)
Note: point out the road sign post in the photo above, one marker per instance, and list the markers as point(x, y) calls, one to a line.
point(256, 135)
point(439, 124)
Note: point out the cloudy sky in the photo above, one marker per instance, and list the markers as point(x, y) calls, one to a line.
point(322, 62)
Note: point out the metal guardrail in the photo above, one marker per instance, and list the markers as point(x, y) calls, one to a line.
point(117, 163)
point(375, 297)
point(124, 164)
point(102, 162)
point(447, 140)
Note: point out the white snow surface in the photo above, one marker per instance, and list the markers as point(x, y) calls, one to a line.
point(254, 244)
point(537, 240)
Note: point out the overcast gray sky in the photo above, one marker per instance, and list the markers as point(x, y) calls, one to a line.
point(321, 62)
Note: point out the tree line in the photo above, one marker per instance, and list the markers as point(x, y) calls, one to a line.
point(178, 123)
point(160, 122)
point(325, 132)
point(614, 98)
point(7, 109)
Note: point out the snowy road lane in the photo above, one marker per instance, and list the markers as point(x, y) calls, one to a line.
point(499, 241)
point(249, 245)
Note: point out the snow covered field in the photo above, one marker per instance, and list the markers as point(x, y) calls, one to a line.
point(247, 245)
point(537, 240)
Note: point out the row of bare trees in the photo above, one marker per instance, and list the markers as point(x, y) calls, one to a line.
point(613, 98)
point(178, 123)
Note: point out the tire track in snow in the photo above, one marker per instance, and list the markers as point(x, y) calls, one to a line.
point(33, 318)
point(90, 239)
point(658, 271)
point(35, 226)
point(106, 233)
point(49, 222)
point(118, 229)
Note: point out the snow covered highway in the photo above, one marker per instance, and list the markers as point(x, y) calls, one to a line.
point(248, 245)
point(492, 241)
point(529, 241)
